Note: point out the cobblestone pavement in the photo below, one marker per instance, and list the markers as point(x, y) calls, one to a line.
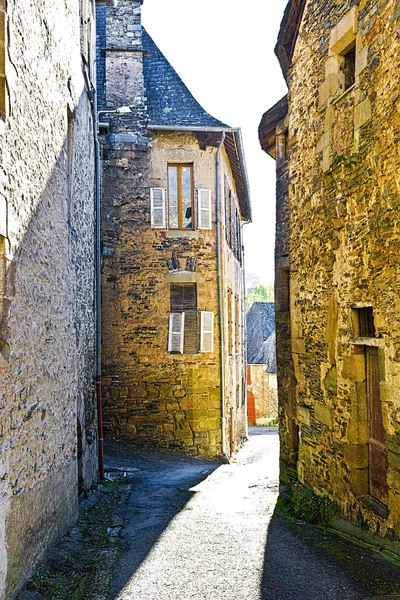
point(177, 528)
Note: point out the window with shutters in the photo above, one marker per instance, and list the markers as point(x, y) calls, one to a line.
point(3, 92)
point(180, 196)
point(183, 301)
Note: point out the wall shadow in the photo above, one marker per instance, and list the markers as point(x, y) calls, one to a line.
point(47, 334)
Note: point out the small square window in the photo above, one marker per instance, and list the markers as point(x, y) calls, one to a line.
point(349, 67)
point(364, 323)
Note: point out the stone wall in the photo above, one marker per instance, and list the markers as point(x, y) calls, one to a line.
point(159, 398)
point(264, 387)
point(344, 247)
point(47, 321)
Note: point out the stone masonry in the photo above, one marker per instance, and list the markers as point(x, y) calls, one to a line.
point(162, 398)
point(47, 415)
point(340, 411)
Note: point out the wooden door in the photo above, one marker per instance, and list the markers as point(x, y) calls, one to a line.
point(251, 409)
point(378, 460)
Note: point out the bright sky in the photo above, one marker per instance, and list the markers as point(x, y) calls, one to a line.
point(224, 52)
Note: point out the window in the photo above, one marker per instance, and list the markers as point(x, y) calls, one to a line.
point(237, 325)
point(349, 67)
point(183, 322)
point(3, 101)
point(180, 197)
point(230, 323)
point(364, 322)
point(183, 336)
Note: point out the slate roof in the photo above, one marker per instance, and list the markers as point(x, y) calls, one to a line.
point(169, 102)
point(260, 323)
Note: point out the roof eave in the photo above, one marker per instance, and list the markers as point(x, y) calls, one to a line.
point(288, 33)
point(268, 124)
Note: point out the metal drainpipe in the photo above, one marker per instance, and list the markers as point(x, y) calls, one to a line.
point(220, 299)
point(244, 325)
point(98, 269)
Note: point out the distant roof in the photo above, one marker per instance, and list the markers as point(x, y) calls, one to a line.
point(260, 322)
point(169, 102)
point(267, 354)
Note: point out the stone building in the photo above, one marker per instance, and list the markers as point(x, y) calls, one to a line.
point(335, 139)
point(262, 397)
point(47, 416)
point(174, 198)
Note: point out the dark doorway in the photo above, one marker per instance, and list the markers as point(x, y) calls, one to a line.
point(378, 459)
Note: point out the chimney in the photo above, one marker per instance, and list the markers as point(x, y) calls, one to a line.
point(124, 63)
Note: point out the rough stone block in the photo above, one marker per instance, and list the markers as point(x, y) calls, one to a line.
point(298, 346)
point(361, 60)
point(354, 368)
point(344, 33)
point(303, 415)
point(356, 456)
point(359, 482)
point(323, 414)
point(363, 113)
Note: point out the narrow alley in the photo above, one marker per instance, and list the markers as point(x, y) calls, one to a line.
point(193, 529)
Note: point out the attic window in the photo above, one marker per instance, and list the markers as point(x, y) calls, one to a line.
point(349, 67)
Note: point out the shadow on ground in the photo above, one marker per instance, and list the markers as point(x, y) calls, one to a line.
point(161, 487)
point(305, 562)
point(119, 524)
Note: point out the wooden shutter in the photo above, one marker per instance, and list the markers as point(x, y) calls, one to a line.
point(176, 332)
point(157, 206)
point(206, 331)
point(183, 297)
point(204, 209)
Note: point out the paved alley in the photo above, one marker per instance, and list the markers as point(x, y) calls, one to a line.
point(201, 531)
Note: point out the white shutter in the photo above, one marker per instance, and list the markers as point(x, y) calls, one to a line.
point(176, 332)
point(204, 209)
point(157, 205)
point(206, 331)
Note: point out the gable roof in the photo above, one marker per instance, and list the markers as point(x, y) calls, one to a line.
point(169, 102)
point(288, 33)
point(260, 324)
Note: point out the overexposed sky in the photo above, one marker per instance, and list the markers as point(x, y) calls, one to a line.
point(224, 52)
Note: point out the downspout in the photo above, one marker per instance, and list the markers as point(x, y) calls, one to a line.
point(98, 268)
point(220, 298)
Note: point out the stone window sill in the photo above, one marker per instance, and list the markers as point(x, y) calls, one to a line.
point(183, 234)
point(344, 94)
point(366, 341)
point(376, 506)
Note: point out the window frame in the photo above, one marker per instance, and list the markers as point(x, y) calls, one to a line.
point(179, 167)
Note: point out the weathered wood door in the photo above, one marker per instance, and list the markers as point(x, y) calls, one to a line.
point(251, 409)
point(378, 460)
